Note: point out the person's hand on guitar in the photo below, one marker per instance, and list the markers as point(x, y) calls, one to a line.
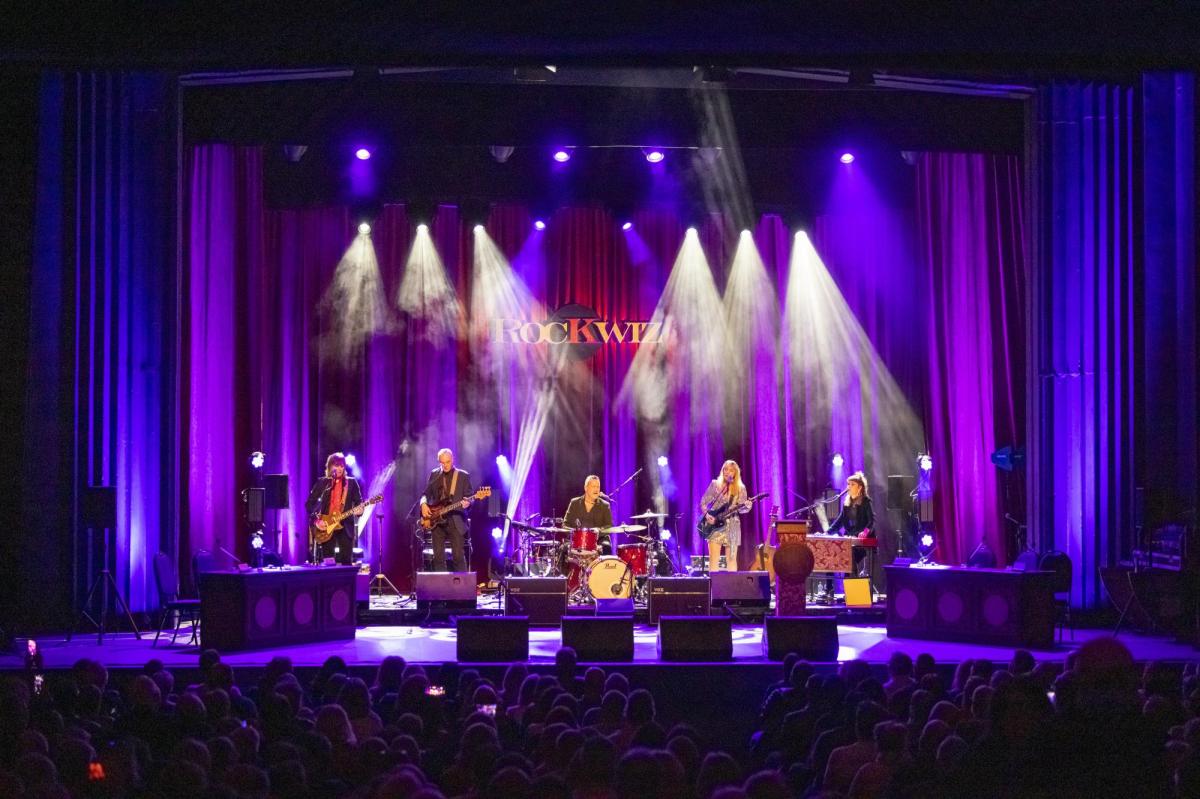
point(320, 523)
point(708, 518)
point(425, 511)
point(466, 503)
point(359, 510)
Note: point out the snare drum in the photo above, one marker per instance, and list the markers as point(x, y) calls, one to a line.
point(610, 578)
point(585, 539)
point(635, 556)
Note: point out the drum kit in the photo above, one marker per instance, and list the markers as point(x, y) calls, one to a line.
point(556, 551)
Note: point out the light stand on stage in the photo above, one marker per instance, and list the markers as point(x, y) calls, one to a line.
point(380, 581)
point(99, 512)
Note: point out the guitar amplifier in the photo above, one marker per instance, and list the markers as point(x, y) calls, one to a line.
point(542, 599)
point(678, 596)
point(741, 593)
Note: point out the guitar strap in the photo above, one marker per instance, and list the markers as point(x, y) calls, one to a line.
point(453, 483)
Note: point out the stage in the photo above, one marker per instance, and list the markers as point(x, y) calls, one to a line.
point(436, 645)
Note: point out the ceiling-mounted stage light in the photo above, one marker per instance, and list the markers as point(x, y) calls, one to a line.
point(627, 226)
point(653, 154)
point(838, 460)
point(539, 224)
point(362, 154)
point(257, 459)
point(846, 158)
point(539, 74)
point(713, 74)
point(294, 152)
point(501, 152)
point(562, 156)
point(364, 229)
point(478, 230)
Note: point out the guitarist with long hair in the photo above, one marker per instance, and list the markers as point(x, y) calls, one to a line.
point(333, 493)
point(448, 485)
point(725, 492)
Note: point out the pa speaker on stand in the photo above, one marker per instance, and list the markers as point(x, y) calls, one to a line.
point(98, 511)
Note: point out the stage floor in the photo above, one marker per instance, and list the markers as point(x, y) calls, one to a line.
point(433, 645)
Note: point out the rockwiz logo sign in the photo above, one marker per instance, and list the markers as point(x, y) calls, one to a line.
point(575, 324)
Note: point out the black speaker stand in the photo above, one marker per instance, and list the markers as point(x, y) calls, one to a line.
point(104, 582)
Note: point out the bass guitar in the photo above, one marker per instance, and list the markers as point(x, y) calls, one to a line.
point(720, 517)
point(436, 512)
point(333, 521)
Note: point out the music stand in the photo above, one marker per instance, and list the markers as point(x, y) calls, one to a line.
point(98, 511)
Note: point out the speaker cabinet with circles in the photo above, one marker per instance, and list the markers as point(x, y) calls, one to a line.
point(994, 606)
point(261, 608)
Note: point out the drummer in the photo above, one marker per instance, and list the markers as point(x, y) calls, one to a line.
point(591, 511)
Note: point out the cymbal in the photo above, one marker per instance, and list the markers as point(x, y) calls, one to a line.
point(544, 542)
point(553, 529)
point(626, 528)
point(649, 515)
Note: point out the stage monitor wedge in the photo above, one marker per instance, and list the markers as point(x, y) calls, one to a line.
point(813, 638)
point(599, 638)
point(453, 591)
point(492, 639)
point(695, 638)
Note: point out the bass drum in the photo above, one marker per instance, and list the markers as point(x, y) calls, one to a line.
point(610, 578)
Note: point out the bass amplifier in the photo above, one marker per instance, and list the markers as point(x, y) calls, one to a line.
point(678, 596)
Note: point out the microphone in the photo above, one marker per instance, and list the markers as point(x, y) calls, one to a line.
point(232, 556)
point(605, 497)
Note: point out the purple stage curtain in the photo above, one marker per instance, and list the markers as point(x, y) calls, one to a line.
point(272, 368)
point(223, 207)
point(100, 388)
point(969, 208)
point(1082, 447)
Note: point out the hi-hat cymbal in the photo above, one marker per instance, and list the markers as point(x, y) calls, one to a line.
point(626, 528)
point(649, 515)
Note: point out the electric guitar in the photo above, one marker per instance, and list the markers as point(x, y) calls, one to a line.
point(436, 512)
point(720, 517)
point(333, 521)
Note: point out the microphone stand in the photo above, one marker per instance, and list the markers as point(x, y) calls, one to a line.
point(626, 482)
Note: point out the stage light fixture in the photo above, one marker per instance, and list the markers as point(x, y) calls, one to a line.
point(925, 546)
point(846, 158)
point(257, 459)
point(745, 234)
point(497, 533)
point(539, 224)
point(294, 152)
point(362, 154)
point(653, 155)
point(501, 152)
point(364, 229)
point(256, 541)
point(501, 460)
point(665, 535)
point(562, 156)
point(838, 460)
point(662, 460)
point(351, 461)
point(478, 229)
point(925, 462)
point(627, 226)
point(691, 232)
point(422, 228)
